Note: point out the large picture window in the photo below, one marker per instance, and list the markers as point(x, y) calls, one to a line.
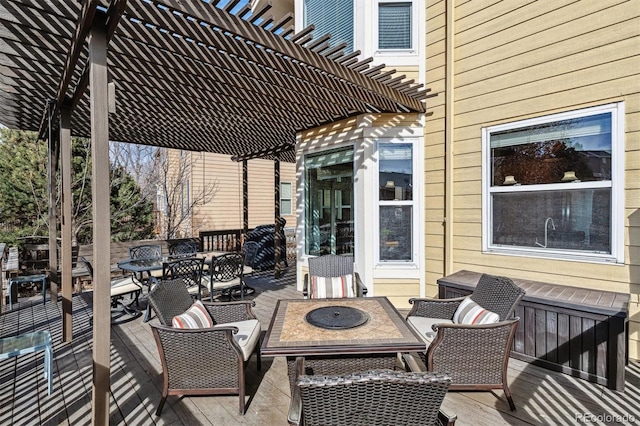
point(395, 189)
point(552, 186)
point(329, 202)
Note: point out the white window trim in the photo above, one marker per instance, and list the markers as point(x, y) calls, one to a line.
point(617, 188)
point(417, 207)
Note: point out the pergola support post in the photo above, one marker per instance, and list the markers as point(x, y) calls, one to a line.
point(245, 199)
point(66, 197)
point(98, 80)
point(54, 279)
point(277, 241)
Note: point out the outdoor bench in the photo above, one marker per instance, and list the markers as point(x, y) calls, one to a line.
point(576, 331)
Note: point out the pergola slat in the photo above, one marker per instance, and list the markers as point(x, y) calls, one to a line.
point(240, 74)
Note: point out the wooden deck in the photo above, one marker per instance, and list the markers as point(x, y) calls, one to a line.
point(542, 396)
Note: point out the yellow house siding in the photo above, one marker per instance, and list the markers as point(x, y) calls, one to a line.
point(434, 164)
point(224, 211)
point(398, 291)
point(521, 59)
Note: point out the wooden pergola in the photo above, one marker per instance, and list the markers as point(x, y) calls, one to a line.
point(184, 74)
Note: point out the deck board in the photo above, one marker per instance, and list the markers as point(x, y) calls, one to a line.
point(542, 396)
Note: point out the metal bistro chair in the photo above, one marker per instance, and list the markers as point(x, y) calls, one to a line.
point(120, 287)
point(147, 252)
point(226, 275)
point(332, 266)
point(190, 270)
point(475, 355)
point(183, 249)
point(374, 397)
point(203, 361)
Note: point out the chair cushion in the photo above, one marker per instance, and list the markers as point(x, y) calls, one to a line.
point(247, 336)
point(122, 286)
point(424, 326)
point(194, 317)
point(469, 312)
point(331, 287)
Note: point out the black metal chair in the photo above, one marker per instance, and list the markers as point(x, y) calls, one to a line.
point(190, 270)
point(120, 287)
point(146, 251)
point(375, 397)
point(226, 276)
point(483, 361)
point(183, 249)
point(331, 265)
point(204, 361)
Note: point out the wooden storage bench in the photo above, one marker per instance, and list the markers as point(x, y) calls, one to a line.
point(573, 330)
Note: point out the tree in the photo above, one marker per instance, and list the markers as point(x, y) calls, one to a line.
point(178, 199)
point(24, 198)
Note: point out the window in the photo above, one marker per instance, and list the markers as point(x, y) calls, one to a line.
point(329, 201)
point(285, 199)
point(333, 17)
point(185, 204)
point(394, 25)
point(552, 185)
point(395, 189)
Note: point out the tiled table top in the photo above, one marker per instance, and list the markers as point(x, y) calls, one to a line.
point(385, 332)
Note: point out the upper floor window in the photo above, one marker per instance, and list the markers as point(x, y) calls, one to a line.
point(333, 17)
point(553, 186)
point(394, 25)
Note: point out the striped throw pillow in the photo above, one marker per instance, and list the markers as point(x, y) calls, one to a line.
point(469, 312)
point(194, 317)
point(331, 287)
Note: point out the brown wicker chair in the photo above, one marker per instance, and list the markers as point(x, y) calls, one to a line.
point(374, 397)
point(476, 356)
point(331, 265)
point(205, 361)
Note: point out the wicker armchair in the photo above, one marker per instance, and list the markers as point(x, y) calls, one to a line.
point(205, 361)
point(475, 356)
point(374, 397)
point(331, 265)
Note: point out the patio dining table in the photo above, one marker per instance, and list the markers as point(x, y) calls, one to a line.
point(339, 336)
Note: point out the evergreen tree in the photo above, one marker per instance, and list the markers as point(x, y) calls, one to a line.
point(24, 197)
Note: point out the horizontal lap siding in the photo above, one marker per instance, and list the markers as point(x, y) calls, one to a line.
point(521, 59)
point(224, 211)
point(434, 163)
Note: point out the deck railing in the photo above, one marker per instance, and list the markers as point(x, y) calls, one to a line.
point(222, 240)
